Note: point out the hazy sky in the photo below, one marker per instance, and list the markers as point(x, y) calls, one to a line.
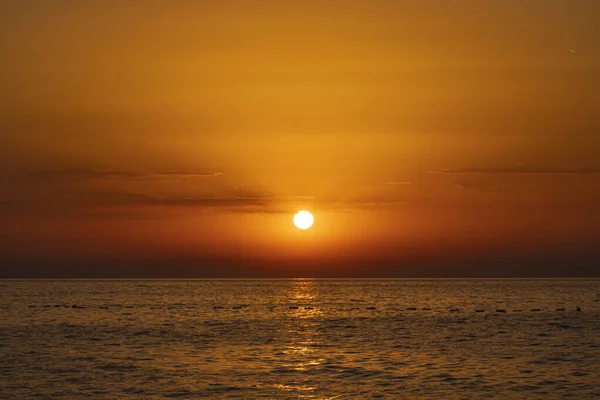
point(178, 138)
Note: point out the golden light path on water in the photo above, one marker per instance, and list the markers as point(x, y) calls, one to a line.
point(303, 339)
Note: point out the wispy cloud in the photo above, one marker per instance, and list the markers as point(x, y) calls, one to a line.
point(477, 186)
point(184, 174)
point(394, 183)
point(246, 203)
point(353, 205)
point(260, 203)
point(519, 170)
point(129, 215)
point(119, 204)
point(90, 174)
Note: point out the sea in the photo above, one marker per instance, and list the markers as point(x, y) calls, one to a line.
point(300, 339)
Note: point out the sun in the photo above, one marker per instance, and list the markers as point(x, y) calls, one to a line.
point(303, 219)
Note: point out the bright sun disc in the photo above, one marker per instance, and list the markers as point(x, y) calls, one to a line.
point(303, 219)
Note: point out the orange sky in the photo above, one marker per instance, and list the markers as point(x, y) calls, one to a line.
point(420, 134)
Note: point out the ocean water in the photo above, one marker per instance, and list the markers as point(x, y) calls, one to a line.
point(300, 339)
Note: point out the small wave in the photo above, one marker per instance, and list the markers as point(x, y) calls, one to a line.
point(117, 367)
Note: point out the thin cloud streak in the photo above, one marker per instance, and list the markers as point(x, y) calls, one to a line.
point(397, 183)
point(92, 174)
point(249, 204)
point(480, 187)
point(129, 216)
point(126, 205)
point(520, 170)
point(246, 204)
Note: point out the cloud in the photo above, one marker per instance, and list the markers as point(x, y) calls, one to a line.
point(261, 203)
point(109, 203)
point(394, 183)
point(77, 174)
point(129, 215)
point(520, 170)
point(127, 205)
point(480, 187)
point(299, 198)
point(256, 204)
point(361, 204)
point(184, 174)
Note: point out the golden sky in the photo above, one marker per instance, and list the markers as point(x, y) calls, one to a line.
point(423, 135)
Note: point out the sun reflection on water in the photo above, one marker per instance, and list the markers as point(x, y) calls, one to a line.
point(303, 341)
point(302, 298)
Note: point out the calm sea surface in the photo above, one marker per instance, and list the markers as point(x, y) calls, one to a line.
point(300, 339)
